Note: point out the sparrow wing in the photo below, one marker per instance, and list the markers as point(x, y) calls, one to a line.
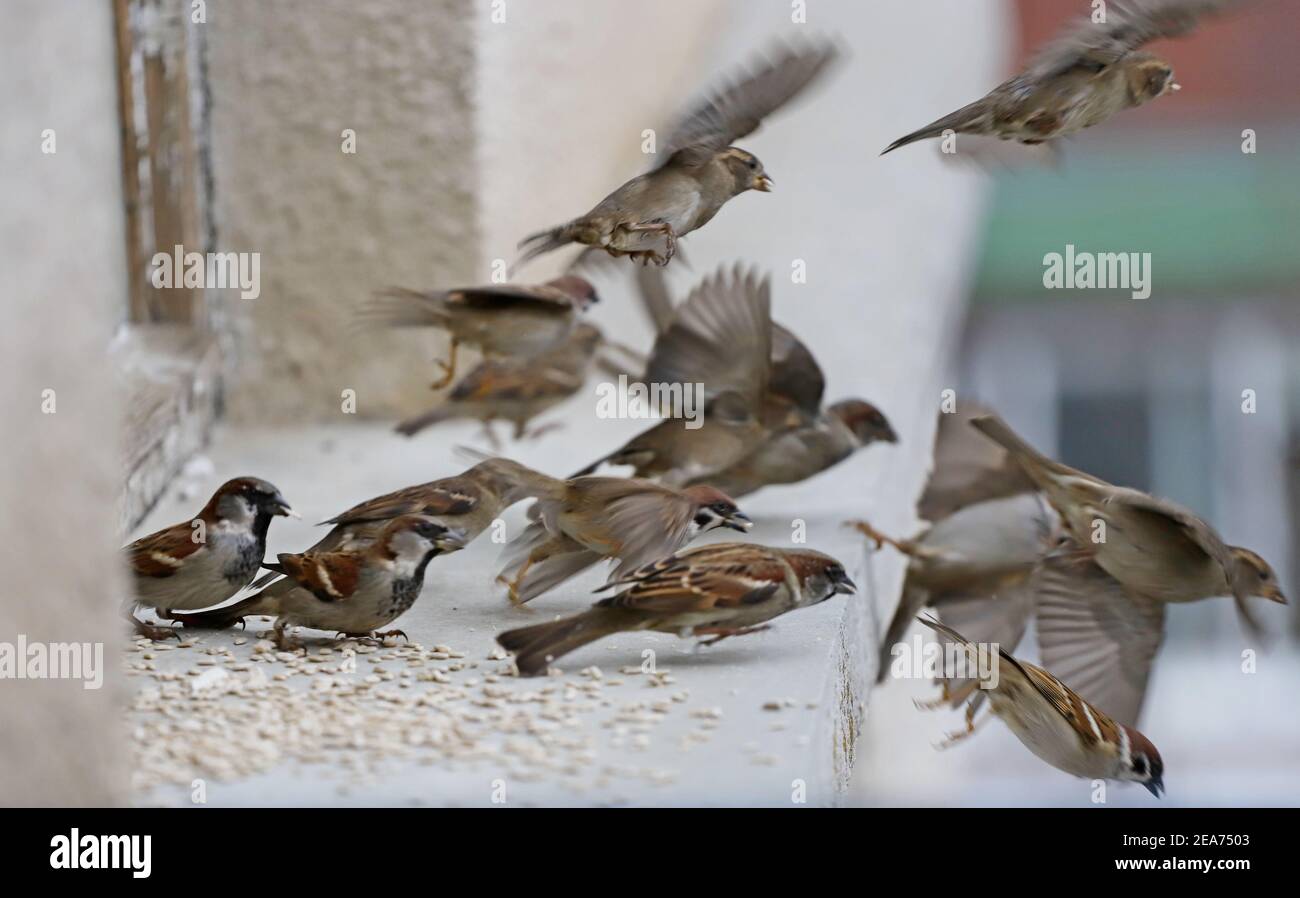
point(1091, 724)
point(656, 299)
point(403, 307)
point(163, 553)
point(795, 372)
point(1095, 635)
point(724, 575)
point(329, 576)
point(968, 467)
point(1129, 25)
point(645, 521)
point(515, 380)
point(737, 107)
point(438, 498)
point(720, 337)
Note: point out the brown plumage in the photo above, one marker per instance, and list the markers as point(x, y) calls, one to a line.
point(699, 170)
point(722, 590)
point(578, 522)
point(1084, 77)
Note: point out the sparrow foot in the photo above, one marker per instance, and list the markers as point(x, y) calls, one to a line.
point(381, 635)
point(284, 642)
point(880, 539)
point(537, 432)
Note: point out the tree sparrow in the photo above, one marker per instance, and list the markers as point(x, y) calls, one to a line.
point(576, 523)
point(203, 562)
point(699, 170)
point(352, 592)
point(721, 590)
point(1091, 72)
point(502, 320)
point(1056, 724)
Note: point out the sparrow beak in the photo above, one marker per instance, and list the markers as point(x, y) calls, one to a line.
point(890, 436)
point(280, 506)
point(1156, 787)
point(451, 541)
point(738, 521)
point(763, 183)
point(1174, 87)
point(846, 587)
point(1273, 594)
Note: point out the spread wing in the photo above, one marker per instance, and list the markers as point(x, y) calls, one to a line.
point(163, 553)
point(737, 107)
point(968, 467)
point(1129, 25)
point(650, 523)
point(449, 496)
point(795, 372)
point(1096, 636)
point(720, 337)
point(725, 575)
point(403, 307)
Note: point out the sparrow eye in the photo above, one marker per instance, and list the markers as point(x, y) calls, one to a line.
point(1140, 765)
point(752, 163)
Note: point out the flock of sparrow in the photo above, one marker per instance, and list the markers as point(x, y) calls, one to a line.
point(1013, 535)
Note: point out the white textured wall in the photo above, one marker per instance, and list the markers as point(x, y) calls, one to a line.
point(64, 290)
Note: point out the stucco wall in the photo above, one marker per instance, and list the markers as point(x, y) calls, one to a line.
point(64, 291)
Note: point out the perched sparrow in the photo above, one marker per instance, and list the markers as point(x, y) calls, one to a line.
point(517, 390)
point(726, 589)
point(578, 522)
point(814, 440)
point(968, 469)
point(1091, 72)
point(802, 452)
point(974, 567)
point(700, 170)
point(1056, 724)
point(350, 592)
point(502, 320)
point(203, 562)
point(721, 337)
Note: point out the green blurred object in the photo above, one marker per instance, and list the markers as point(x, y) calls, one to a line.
point(1219, 223)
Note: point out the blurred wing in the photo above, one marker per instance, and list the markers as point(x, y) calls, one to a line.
point(656, 299)
point(968, 467)
point(1129, 25)
point(449, 496)
point(720, 337)
point(650, 525)
point(1096, 637)
point(1160, 512)
point(737, 108)
point(795, 372)
point(999, 618)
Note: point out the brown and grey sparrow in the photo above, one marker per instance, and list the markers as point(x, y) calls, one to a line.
point(204, 561)
point(1053, 722)
point(1091, 72)
point(699, 170)
point(716, 591)
point(502, 320)
point(517, 390)
point(577, 523)
point(351, 592)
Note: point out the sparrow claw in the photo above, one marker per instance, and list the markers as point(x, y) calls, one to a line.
point(153, 632)
point(384, 634)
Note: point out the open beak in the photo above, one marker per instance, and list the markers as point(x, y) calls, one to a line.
point(738, 521)
point(1156, 787)
point(451, 541)
point(763, 183)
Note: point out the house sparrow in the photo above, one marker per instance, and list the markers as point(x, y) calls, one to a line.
point(516, 390)
point(699, 171)
point(974, 567)
point(502, 320)
point(721, 590)
point(578, 522)
point(352, 592)
point(203, 562)
point(812, 440)
point(1152, 546)
point(1056, 724)
point(1092, 71)
point(720, 337)
point(968, 469)
point(805, 451)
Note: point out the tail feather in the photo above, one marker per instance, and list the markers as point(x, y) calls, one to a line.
point(403, 307)
point(229, 615)
point(537, 646)
point(411, 426)
point(1034, 462)
point(541, 243)
point(962, 121)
